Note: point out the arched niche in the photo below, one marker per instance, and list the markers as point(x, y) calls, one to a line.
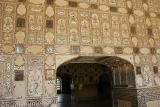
point(122, 69)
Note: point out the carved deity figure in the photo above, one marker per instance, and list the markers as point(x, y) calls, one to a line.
point(85, 28)
point(61, 26)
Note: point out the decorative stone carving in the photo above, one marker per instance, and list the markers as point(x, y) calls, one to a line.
point(49, 37)
point(137, 59)
point(148, 22)
point(145, 6)
point(154, 60)
point(61, 26)
point(135, 41)
point(19, 60)
point(50, 90)
point(128, 50)
point(50, 61)
point(147, 76)
point(61, 2)
point(83, 5)
point(37, 1)
point(9, 9)
point(151, 42)
point(139, 80)
point(6, 86)
point(62, 49)
point(34, 76)
point(138, 13)
point(7, 49)
point(104, 8)
point(85, 30)
point(86, 40)
point(157, 80)
point(131, 19)
point(61, 39)
point(87, 50)
point(95, 21)
point(129, 4)
point(8, 24)
point(35, 49)
point(21, 10)
point(49, 11)
point(108, 50)
point(145, 51)
point(122, 10)
point(20, 37)
point(49, 74)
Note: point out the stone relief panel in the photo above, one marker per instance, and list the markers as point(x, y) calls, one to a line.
point(6, 77)
point(35, 76)
point(35, 22)
point(8, 23)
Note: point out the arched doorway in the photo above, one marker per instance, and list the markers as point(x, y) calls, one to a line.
point(94, 78)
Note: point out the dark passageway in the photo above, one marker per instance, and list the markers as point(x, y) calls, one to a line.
point(92, 86)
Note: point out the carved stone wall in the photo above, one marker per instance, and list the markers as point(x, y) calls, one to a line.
point(34, 32)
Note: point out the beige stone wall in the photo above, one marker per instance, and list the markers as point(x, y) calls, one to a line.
point(35, 36)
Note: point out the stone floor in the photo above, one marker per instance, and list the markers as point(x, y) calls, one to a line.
point(67, 101)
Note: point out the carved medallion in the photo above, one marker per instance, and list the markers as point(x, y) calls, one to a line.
point(21, 10)
point(49, 11)
point(20, 37)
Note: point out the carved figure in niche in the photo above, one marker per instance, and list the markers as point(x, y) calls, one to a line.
point(124, 28)
point(61, 26)
point(147, 76)
point(84, 28)
point(31, 19)
point(73, 18)
point(73, 32)
point(105, 29)
point(8, 24)
point(35, 81)
point(49, 74)
point(95, 21)
point(117, 39)
point(35, 22)
point(115, 23)
point(39, 19)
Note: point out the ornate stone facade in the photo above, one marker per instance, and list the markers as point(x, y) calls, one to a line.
point(32, 32)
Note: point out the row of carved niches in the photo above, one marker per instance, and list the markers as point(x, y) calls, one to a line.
point(75, 27)
point(76, 49)
point(6, 77)
point(88, 74)
point(102, 4)
point(147, 76)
